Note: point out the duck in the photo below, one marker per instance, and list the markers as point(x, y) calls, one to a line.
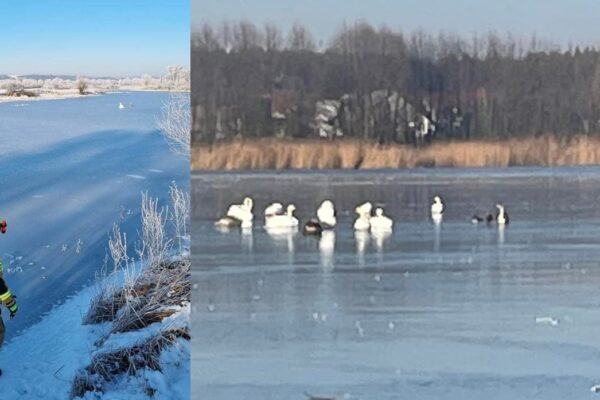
point(287, 220)
point(502, 217)
point(476, 219)
point(363, 222)
point(437, 209)
point(238, 215)
point(380, 221)
point(326, 215)
point(312, 227)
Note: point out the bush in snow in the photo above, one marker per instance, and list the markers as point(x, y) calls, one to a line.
point(155, 283)
point(107, 367)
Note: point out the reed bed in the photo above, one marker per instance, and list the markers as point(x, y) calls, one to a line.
point(281, 154)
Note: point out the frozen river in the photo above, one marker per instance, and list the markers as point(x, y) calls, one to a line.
point(424, 314)
point(70, 169)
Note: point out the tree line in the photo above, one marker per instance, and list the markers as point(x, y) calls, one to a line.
point(383, 85)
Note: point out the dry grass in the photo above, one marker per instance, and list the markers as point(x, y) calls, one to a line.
point(355, 154)
point(153, 296)
point(106, 367)
point(149, 298)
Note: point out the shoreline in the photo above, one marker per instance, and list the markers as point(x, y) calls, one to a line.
point(313, 154)
point(71, 94)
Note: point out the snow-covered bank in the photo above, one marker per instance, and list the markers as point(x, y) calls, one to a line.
point(73, 94)
point(52, 95)
point(43, 362)
point(40, 87)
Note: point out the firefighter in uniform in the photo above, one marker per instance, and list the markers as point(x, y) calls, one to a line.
point(6, 297)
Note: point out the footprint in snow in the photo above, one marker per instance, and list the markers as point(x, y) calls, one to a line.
point(78, 246)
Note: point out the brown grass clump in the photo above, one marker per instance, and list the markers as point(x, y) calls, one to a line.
point(106, 367)
point(148, 299)
point(104, 308)
point(356, 154)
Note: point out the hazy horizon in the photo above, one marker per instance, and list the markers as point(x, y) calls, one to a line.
point(94, 38)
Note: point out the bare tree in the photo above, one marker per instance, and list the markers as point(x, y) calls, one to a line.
point(300, 39)
point(246, 36)
point(82, 86)
point(273, 38)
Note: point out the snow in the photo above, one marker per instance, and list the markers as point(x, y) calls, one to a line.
point(42, 362)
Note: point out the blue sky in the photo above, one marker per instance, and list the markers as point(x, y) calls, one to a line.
point(93, 37)
point(560, 21)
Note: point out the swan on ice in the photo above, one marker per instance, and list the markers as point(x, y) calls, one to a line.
point(363, 222)
point(287, 220)
point(238, 215)
point(437, 209)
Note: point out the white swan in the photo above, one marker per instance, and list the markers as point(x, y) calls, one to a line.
point(381, 222)
point(437, 209)
point(238, 215)
point(286, 220)
point(363, 222)
point(502, 216)
point(274, 209)
point(326, 214)
point(121, 106)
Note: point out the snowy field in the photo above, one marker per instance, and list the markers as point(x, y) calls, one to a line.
point(70, 169)
point(460, 312)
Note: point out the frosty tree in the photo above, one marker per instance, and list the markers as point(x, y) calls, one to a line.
point(175, 124)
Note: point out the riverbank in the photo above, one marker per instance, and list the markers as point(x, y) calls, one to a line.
point(355, 154)
point(59, 357)
point(72, 94)
point(53, 95)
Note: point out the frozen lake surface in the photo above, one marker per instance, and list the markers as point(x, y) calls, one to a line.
point(424, 314)
point(69, 170)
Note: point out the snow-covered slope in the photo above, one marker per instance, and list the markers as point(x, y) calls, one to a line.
point(43, 361)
